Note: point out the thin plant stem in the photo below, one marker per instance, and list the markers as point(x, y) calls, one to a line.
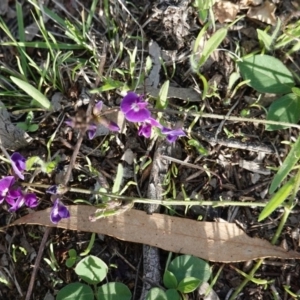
point(228, 118)
point(154, 201)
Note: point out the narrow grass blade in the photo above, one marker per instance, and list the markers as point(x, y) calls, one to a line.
point(162, 102)
point(287, 166)
point(212, 44)
point(277, 199)
point(32, 91)
point(118, 180)
point(21, 32)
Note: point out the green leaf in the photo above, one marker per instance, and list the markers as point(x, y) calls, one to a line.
point(50, 166)
point(172, 294)
point(162, 101)
point(22, 125)
point(118, 179)
point(286, 167)
point(296, 91)
point(32, 91)
point(199, 147)
point(33, 127)
point(212, 44)
point(170, 280)
point(277, 199)
point(34, 160)
point(266, 74)
point(284, 109)
point(188, 285)
point(189, 266)
point(265, 38)
point(114, 291)
point(91, 269)
point(156, 294)
point(76, 290)
point(72, 258)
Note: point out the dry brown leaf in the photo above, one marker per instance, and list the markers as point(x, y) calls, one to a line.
point(225, 11)
point(220, 242)
point(264, 13)
point(247, 3)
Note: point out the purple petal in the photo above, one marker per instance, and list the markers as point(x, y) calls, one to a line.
point(97, 108)
point(171, 138)
point(92, 131)
point(145, 130)
point(31, 200)
point(127, 102)
point(16, 204)
point(5, 184)
point(53, 189)
point(154, 122)
point(15, 198)
point(70, 123)
point(138, 116)
point(113, 126)
point(177, 132)
point(18, 164)
point(108, 124)
point(172, 134)
point(58, 212)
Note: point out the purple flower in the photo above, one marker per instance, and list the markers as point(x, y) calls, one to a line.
point(97, 108)
point(96, 119)
point(59, 211)
point(30, 200)
point(134, 108)
point(53, 189)
point(18, 164)
point(91, 132)
point(172, 134)
point(6, 191)
point(146, 127)
point(14, 196)
point(59, 189)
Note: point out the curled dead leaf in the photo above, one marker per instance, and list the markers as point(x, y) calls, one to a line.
point(225, 11)
point(264, 13)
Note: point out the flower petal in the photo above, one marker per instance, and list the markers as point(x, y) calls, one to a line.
point(54, 215)
point(154, 122)
point(31, 200)
point(128, 100)
point(145, 130)
point(70, 123)
point(92, 131)
point(97, 108)
point(113, 126)
point(16, 204)
point(172, 134)
point(58, 212)
point(5, 184)
point(18, 163)
point(13, 195)
point(53, 189)
point(138, 116)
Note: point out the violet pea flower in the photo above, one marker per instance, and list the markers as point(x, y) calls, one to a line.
point(172, 134)
point(146, 127)
point(18, 163)
point(14, 196)
point(6, 191)
point(134, 108)
point(96, 119)
point(59, 211)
